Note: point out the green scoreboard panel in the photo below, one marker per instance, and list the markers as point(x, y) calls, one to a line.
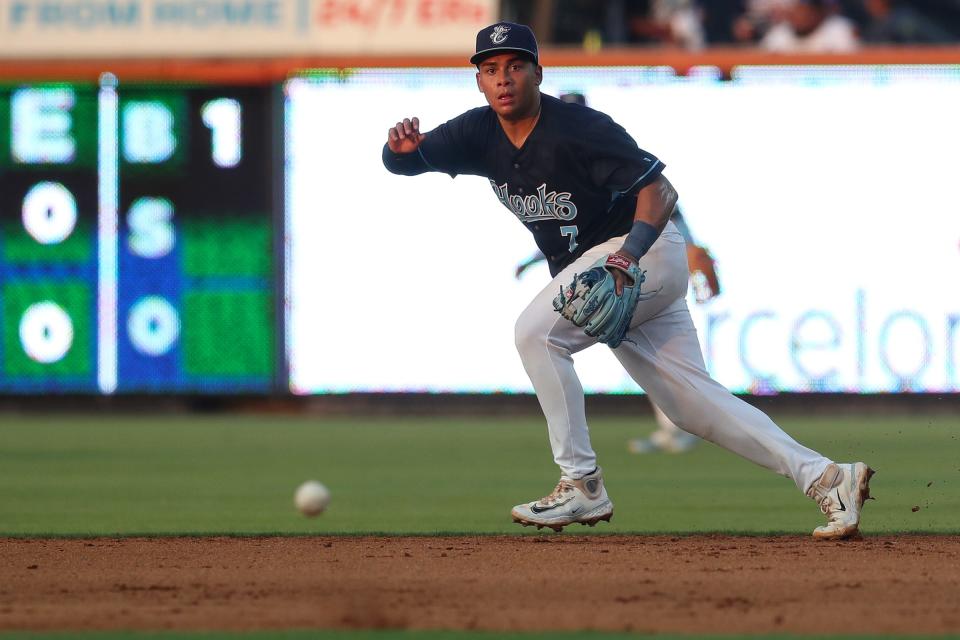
point(137, 238)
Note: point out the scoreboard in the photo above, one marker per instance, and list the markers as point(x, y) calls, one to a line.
point(137, 238)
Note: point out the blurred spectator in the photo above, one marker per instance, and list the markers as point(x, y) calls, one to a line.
point(759, 17)
point(816, 26)
point(576, 21)
point(671, 22)
point(719, 19)
point(896, 22)
point(812, 26)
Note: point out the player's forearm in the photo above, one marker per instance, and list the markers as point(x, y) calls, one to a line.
point(655, 203)
point(404, 164)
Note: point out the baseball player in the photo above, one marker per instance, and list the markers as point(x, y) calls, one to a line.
point(599, 207)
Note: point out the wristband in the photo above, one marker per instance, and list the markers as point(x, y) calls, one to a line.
point(640, 239)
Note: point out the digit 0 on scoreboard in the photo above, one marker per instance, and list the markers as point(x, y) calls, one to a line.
point(195, 301)
point(48, 238)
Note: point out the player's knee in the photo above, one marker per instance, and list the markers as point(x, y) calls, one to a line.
point(526, 334)
point(530, 333)
point(689, 416)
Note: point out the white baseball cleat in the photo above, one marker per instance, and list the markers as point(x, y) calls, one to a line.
point(583, 500)
point(841, 492)
point(660, 441)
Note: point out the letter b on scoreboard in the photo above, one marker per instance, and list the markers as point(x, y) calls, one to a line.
point(196, 304)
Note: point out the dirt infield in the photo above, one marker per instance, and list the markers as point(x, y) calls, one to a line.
point(696, 584)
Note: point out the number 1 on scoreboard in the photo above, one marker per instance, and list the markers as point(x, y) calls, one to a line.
point(223, 116)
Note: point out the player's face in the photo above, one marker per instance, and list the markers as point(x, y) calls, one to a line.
point(511, 85)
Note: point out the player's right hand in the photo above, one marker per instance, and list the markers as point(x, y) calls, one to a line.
point(405, 137)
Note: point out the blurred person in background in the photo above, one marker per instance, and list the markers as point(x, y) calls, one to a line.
point(668, 437)
point(570, 22)
point(897, 22)
point(812, 26)
point(758, 17)
point(823, 26)
point(719, 19)
point(576, 21)
point(676, 23)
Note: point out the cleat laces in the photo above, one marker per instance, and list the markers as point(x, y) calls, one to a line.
point(563, 487)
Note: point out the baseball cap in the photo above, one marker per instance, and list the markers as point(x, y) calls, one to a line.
point(502, 37)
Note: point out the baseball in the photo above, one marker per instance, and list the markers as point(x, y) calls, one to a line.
point(311, 498)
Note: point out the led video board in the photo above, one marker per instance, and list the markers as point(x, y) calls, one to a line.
point(827, 195)
point(136, 246)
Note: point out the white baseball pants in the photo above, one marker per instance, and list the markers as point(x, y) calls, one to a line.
point(664, 424)
point(662, 354)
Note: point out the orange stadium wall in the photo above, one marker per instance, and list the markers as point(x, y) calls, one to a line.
point(268, 70)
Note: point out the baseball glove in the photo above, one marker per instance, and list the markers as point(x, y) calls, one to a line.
point(591, 301)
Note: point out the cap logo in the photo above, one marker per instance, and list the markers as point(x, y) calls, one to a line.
point(499, 35)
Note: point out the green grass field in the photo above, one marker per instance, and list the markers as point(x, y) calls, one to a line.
point(235, 474)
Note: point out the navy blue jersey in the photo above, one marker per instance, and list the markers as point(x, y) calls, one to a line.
point(573, 183)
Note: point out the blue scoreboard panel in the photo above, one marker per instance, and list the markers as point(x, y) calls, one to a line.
point(137, 239)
